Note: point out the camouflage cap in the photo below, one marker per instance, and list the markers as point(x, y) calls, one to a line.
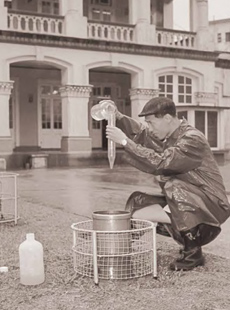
point(159, 106)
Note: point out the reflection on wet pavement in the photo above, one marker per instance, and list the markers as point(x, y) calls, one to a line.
point(82, 191)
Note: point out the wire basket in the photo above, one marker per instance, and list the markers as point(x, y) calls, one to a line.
point(117, 255)
point(8, 197)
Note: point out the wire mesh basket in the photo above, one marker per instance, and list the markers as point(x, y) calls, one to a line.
point(8, 197)
point(117, 255)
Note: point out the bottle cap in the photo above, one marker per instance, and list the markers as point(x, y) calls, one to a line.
point(4, 269)
point(30, 236)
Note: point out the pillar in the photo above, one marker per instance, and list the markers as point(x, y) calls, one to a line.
point(193, 15)
point(139, 11)
point(75, 22)
point(199, 24)
point(139, 97)
point(6, 143)
point(168, 14)
point(3, 19)
point(139, 15)
point(198, 15)
point(202, 14)
point(153, 19)
point(75, 100)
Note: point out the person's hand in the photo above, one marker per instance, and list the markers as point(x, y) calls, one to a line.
point(115, 134)
point(118, 115)
point(162, 178)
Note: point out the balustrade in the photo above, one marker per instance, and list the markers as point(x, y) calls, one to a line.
point(175, 38)
point(35, 24)
point(111, 32)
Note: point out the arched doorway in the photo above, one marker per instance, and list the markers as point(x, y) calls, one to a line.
point(108, 83)
point(35, 105)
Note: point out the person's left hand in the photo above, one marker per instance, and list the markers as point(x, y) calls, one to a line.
point(115, 134)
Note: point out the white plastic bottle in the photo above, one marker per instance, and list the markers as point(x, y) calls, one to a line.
point(31, 261)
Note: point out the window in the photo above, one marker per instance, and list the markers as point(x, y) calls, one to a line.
point(57, 114)
point(51, 107)
point(105, 2)
point(107, 91)
point(50, 7)
point(102, 2)
point(96, 14)
point(184, 89)
point(8, 4)
point(207, 123)
point(95, 124)
point(182, 114)
point(227, 36)
point(166, 86)
point(11, 112)
point(200, 121)
point(102, 15)
point(219, 38)
point(212, 128)
point(177, 88)
point(96, 92)
point(106, 16)
point(46, 114)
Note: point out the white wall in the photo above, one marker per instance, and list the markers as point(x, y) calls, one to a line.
point(75, 65)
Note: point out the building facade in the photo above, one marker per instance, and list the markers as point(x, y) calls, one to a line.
point(59, 58)
point(221, 34)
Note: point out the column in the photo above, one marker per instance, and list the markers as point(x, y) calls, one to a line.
point(139, 15)
point(168, 14)
point(6, 143)
point(139, 11)
point(205, 38)
point(139, 97)
point(153, 19)
point(198, 15)
point(75, 100)
point(3, 19)
point(202, 10)
point(193, 16)
point(75, 22)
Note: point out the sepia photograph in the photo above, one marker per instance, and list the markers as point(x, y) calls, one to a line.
point(114, 155)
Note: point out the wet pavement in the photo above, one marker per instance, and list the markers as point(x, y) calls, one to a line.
point(81, 191)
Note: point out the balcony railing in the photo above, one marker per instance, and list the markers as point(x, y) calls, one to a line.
point(26, 22)
point(204, 98)
point(110, 32)
point(176, 38)
point(54, 25)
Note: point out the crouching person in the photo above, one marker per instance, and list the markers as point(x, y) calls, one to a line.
point(193, 203)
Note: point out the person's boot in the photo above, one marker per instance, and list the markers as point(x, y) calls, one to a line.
point(191, 256)
point(163, 229)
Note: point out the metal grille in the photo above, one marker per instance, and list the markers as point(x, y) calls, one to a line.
point(122, 254)
point(8, 198)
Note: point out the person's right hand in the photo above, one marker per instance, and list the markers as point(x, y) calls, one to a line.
point(115, 134)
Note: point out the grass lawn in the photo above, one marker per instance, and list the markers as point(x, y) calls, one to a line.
point(204, 288)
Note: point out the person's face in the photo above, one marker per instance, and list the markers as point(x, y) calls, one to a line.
point(158, 126)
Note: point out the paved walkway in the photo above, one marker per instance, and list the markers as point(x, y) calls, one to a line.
point(83, 190)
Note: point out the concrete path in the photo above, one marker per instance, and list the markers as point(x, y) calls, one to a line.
point(81, 191)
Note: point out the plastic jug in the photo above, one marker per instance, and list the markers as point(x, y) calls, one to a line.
point(31, 261)
point(103, 110)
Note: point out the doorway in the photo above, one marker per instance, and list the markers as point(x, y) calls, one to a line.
point(50, 116)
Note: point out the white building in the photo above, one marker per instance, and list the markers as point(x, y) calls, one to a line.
point(221, 32)
point(59, 57)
